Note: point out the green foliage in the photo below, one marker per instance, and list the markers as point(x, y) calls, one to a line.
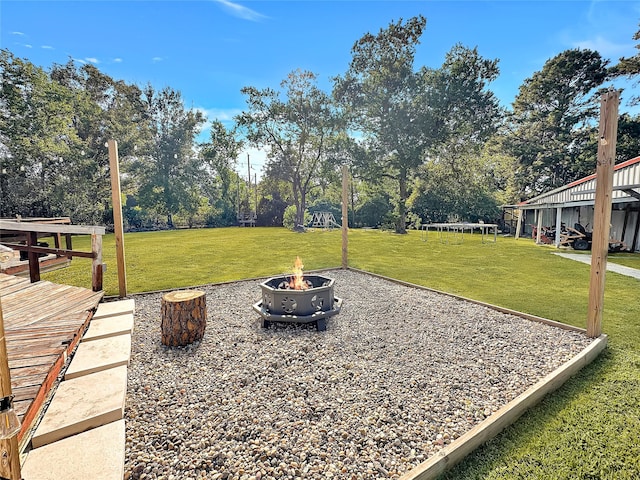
point(168, 166)
point(373, 211)
point(296, 126)
point(381, 95)
point(552, 117)
point(290, 218)
point(577, 432)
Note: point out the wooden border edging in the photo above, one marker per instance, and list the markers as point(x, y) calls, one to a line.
point(498, 421)
point(505, 416)
point(508, 414)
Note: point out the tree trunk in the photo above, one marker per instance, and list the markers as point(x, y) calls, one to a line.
point(401, 225)
point(184, 317)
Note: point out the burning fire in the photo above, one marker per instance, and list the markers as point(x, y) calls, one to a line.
point(297, 281)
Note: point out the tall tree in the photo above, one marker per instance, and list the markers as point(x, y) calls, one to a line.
point(103, 109)
point(456, 179)
point(552, 115)
point(220, 155)
point(167, 167)
point(381, 93)
point(629, 67)
point(295, 125)
point(38, 139)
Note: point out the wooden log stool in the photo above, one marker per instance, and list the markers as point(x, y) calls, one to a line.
point(184, 317)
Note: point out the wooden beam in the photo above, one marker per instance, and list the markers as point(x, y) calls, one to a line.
point(50, 228)
point(345, 216)
point(62, 252)
point(96, 266)
point(607, 135)
point(34, 259)
point(116, 197)
point(631, 193)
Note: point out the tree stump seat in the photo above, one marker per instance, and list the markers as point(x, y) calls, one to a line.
point(184, 317)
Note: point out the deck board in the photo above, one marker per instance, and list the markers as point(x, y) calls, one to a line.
point(43, 322)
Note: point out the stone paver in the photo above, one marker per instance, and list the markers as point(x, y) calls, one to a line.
point(83, 403)
point(109, 309)
point(97, 355)
point(109, 327)
point(97, 454)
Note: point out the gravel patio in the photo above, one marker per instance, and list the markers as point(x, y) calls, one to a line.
point(398, 374)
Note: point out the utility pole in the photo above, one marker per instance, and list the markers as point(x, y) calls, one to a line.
point(249, 180)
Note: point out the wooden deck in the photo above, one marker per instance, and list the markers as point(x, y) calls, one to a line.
point(43, 324)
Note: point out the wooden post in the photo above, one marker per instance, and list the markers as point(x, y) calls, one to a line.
point(116, 198)
point(96, 266)
point(34, 258)
point(345, 216)
point(607, 134)
point(9, 450)
point(519, 224)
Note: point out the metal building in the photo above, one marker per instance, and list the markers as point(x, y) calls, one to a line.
point(574, 202)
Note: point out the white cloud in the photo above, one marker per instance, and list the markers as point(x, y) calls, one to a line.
point(240, 11)
point(220, 114)
point(157, 59)
point(92, 60)
point(28, 45)
point(18, 33)
point(117, 60)
point(47, 47)
point(605, 47)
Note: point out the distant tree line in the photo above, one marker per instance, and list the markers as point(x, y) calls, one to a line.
point(422, 144)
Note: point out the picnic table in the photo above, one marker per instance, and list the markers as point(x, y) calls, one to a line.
point(454, 232)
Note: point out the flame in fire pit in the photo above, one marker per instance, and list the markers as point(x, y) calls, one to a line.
point(297, 281)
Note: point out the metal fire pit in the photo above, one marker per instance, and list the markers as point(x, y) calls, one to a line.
point(280, 303)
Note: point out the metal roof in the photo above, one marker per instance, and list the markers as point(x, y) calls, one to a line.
point(626, 188)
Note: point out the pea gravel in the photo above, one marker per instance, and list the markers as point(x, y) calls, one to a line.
point(398, 374)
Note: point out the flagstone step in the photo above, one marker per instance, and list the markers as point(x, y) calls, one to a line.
point(82, 403)
point(98, 355)
point(97, 454)
point(110, 309)
point(109, 327)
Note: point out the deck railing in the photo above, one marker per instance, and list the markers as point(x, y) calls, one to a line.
point(31, 231)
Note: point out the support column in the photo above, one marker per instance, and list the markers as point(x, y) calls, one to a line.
point(539, 226)
point(558, 225)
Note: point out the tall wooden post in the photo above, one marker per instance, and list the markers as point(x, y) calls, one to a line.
point(345, 216)
point(116, 198)
point(9, 450)
point(607, 135)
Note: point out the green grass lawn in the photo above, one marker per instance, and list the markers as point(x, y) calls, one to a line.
point(588, 429)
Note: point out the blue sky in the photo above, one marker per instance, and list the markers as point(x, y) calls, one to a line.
point(210, 49)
